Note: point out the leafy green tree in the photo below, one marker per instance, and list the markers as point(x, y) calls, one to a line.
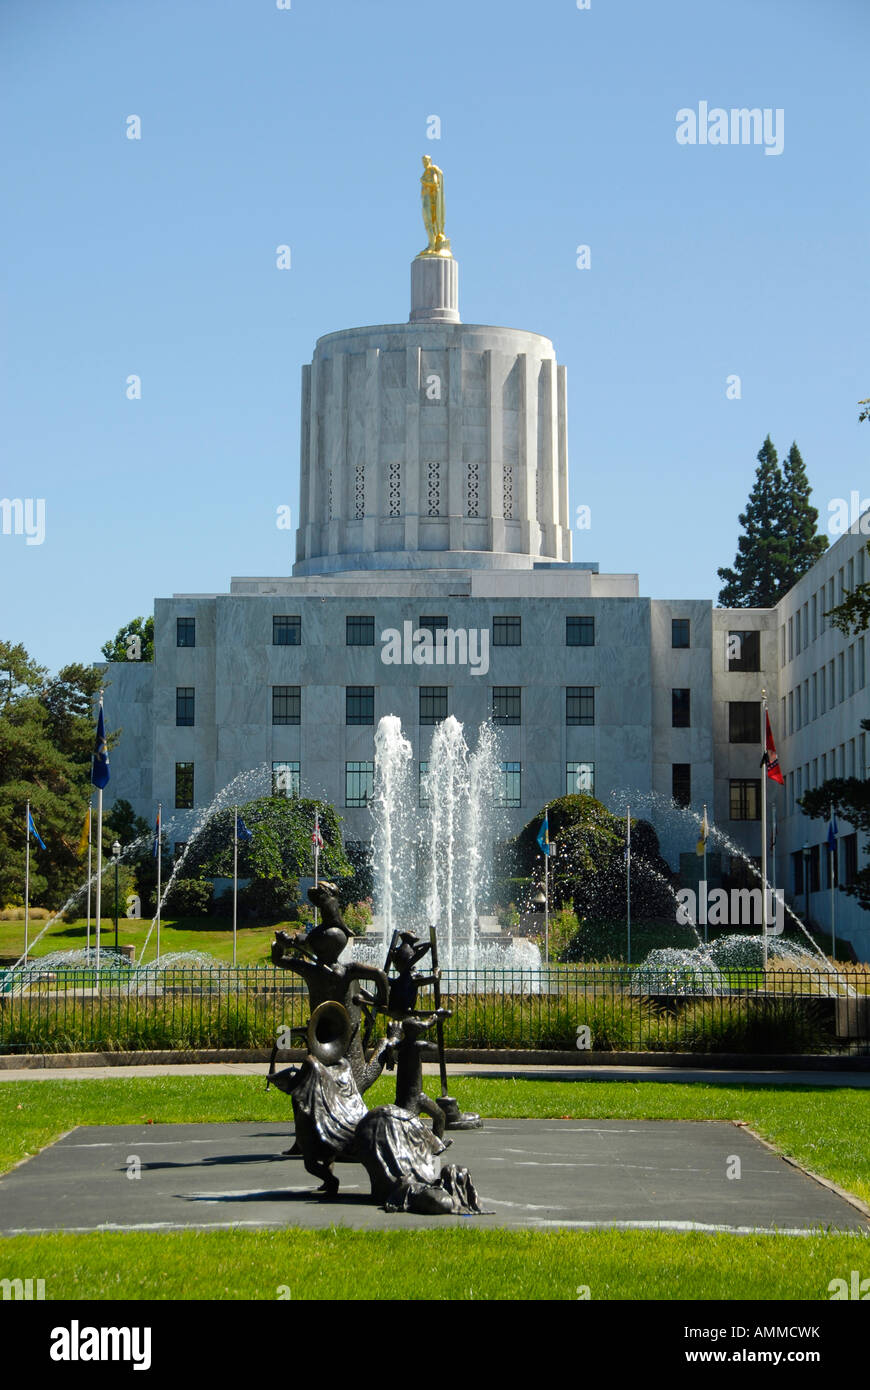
point(117, 648)
point(279, 853)
point(850, 796)
point(755, 581)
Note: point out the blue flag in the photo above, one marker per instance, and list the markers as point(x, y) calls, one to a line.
point(100, 760)
point(833, 831)
point(544, 837)
point(33, 830)
point(242, 830)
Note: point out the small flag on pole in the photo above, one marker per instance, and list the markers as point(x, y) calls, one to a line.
point(242, 831)
point(316, 836)
point(156, 848)
point(701, 846)
point(33, 830)
point(833, 832)
point(86, 833)
point(544, 836)
point(100, 760)
point(770, 760)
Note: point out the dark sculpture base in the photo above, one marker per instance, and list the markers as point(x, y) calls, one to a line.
point(456, 1118)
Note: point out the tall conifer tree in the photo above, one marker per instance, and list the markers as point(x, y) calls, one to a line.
point(763, 549)
point(800, 520)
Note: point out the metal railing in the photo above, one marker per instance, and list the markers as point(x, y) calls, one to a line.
point(598, 1008)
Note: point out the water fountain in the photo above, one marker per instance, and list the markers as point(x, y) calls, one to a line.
point(433, 851)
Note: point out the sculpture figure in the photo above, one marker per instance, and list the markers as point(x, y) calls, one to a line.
point(432, 190)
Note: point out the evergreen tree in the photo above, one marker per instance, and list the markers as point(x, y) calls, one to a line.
point(800, 520)
point(118, 649)
point(763, 551)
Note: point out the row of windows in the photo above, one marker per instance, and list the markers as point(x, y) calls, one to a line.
point(833, 683)
point(359, 784)
point(360, 631)
point(360, 704)
point(849, 760)
point(807, 863)
point(744, 716)
point(808, 622)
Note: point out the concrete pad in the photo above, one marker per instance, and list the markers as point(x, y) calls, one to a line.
point(538, 1174)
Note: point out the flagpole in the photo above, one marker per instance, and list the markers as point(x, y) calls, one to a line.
point(704, 832)
point(547, 906)
point(628, 877)
point(99, 864)
point(26, 881)
point(316, 856)
point(235, 875)
point(90, 838)
point(832, 865)
point(773, 850)
point(159, 867)
point(764, 829)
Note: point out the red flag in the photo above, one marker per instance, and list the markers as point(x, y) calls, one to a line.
point(770, 759)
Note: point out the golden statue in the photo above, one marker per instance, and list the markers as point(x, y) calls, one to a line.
point(432, 190)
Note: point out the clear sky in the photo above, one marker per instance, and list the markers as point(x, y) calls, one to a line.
point(263, 126)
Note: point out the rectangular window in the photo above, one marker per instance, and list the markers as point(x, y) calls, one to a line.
point(814, 625)
point(178, 849)
point(797, 861)
point(681, 783)
point(285, 779)
point(360, 632)
point(744, 721)
point(360, 704)
point(580, 704)
point(797, 632)
point(680, 632)
point(822, 684)
point(850, 858)
point(286, 704)
point(433, 625)
point(433, 704)
point(862, 669)
point(286, 632)
point(790, 638)
point(359, 784)
point(791, 711)
point(184, 786)
point(782, 645)
point(681, 709)
point(507, 632)
point(745, 799)
point(506, 704)
point(509, 790)
point(832, 686)
point(185, 632)
point(744, 650)
point(814, 688)
point(841, 676)
point(423, 786)
point(579, 779)
point(184, 706)
point(579, 632)
point(797, 707)
point(850, 669)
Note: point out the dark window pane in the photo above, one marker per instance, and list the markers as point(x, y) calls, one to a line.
point(681, 783)
point(184, 706)
point(744, 721)
point(506, 704)
point(286, 632)
point(509, 792)
point(507, 632)
point(580, 704)
point(433, 703)
point(681, 709)
point(745, 799)
point(359, 781)
point(184, 786)
point(286, 704)
point(361, 632)
point(679, 632)
point(579, 779)
point(433, 624)
point(580, 632)
point(360, 704)
point(285, 779)
point(185, 632)
point(744, 651)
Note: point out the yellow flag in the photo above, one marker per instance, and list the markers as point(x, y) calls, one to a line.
point(705, 830)
point(85, 835)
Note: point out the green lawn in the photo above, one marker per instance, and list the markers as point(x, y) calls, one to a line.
point(214, 935)
point(822, 1128)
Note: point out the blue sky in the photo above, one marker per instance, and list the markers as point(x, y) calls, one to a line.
point(263, 127)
